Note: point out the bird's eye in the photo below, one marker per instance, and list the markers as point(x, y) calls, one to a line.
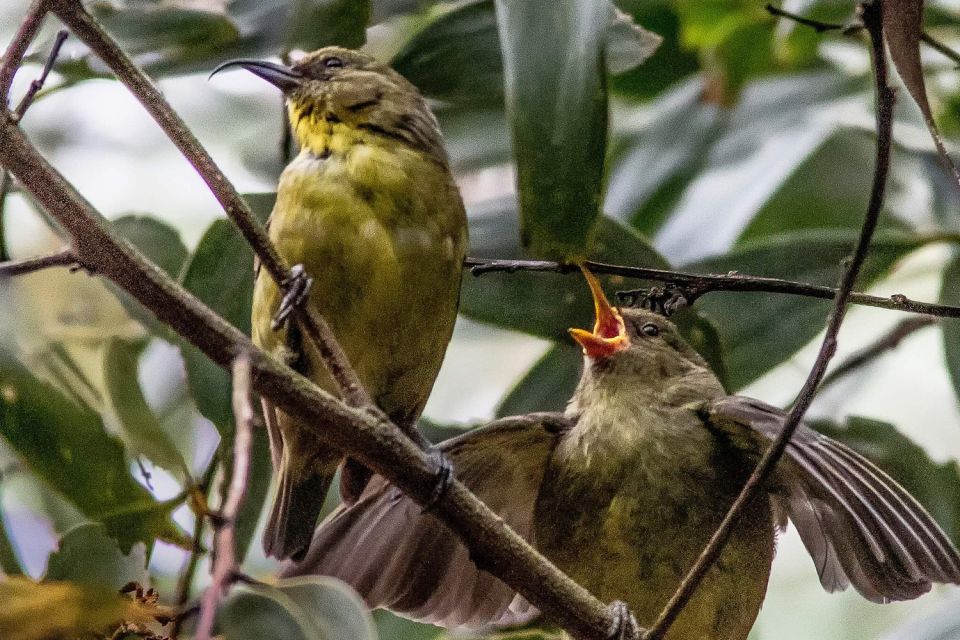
point(650, 329)
point(333, 62)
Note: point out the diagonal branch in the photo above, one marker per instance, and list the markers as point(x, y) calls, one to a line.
point(61, 258)
point(364, 435)
point(695, 285)
point(870, 12)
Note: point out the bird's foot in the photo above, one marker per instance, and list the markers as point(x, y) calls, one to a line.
point(623, 626)
point(443, 478)
point(296, 288)
point(666, 300)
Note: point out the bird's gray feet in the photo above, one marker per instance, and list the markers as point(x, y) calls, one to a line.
point(443, 477)
point(296, 288)
point(623, 626)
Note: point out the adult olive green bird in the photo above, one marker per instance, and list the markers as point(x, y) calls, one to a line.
point(371, 212)
point(622, 492)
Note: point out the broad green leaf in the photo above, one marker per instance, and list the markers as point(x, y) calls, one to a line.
point(391, 626)
point(220, 273)
point(65, 445)
point(760, 330)
point(41, 611)
point(548, 385)
point(258, 488)
point(935, 485)
point(318, 23)
point(543, 304)
point(457, 57)
point(87, 555)
point(309, 608)
point(950, 294)
point(556, 99)
point(141, 431)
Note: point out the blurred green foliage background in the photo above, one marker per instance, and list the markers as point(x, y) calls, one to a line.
point(742, 143)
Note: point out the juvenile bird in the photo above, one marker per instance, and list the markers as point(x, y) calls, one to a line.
point(369, 210)
point(623, 490)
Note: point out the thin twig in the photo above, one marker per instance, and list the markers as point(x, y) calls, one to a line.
point(73, 14)
point(185, 581)
point(870, 13)
point(933, 43)
point(887, 342)
point(224, 567)
point(697, 284)
point(64, 257)
point(13, 56)
point(816, 25)
point(38, 82)
point(374, 441)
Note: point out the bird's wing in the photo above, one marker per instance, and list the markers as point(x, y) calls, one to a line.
point(857, 523)
point(398, 557)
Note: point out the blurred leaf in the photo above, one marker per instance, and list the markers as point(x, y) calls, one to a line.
point(258, 488)
point(159, 242)
point(950, 294)
point(761, 330)
point(935, 485)
point(543, 304)
point(557, 106)
point(457, 57)
point(318, 23)
point(48, 610)
point(475, 138)
point(309, 608)
point(220, 274)
point(392, 627)
point(65, 444)
point(548, 385)
point(141, 430)
point(88, 556)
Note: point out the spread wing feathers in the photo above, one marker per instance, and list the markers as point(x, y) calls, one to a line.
point(400, 558)
point(857, 523)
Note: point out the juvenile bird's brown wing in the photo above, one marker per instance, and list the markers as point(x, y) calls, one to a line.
point(857, 523)
point(400, 558)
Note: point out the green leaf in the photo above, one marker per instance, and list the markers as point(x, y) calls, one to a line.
point(950, 328)
point(309, 608)
point(548, 385)
point(87, 555)
point(220, 274)
point(318, 23)
point(557, 106)
point(258, 488)
point(141, 431)
point(65, 445)
point(760, 330)
point(935, 485)
point(543, 304)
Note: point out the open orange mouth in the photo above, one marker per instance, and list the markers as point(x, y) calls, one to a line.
point(609, 334)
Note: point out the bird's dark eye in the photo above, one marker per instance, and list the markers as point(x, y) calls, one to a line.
point(333, 62)
point(650, 329)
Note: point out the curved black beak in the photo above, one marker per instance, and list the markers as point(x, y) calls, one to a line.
point(280, 76)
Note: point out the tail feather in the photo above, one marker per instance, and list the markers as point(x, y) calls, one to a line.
point(294, 515)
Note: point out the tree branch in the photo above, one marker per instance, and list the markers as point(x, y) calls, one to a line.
point(870, 12)
point(696, 284)
point(364, 435)
point(62, 258)
point(37, 83)
point(13, 56)
point(224, 548)
point(887, 342)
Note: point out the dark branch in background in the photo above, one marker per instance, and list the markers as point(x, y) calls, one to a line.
point(224, 565)
point(19, 112)
point(870, 13)
point(887, 342)
point(360, 433)
point(694, 285)
point(62, 258)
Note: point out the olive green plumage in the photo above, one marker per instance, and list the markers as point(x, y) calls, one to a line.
point(370, 209)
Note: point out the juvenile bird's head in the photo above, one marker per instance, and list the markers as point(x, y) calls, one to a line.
point(337, 97)
point(634, 343)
